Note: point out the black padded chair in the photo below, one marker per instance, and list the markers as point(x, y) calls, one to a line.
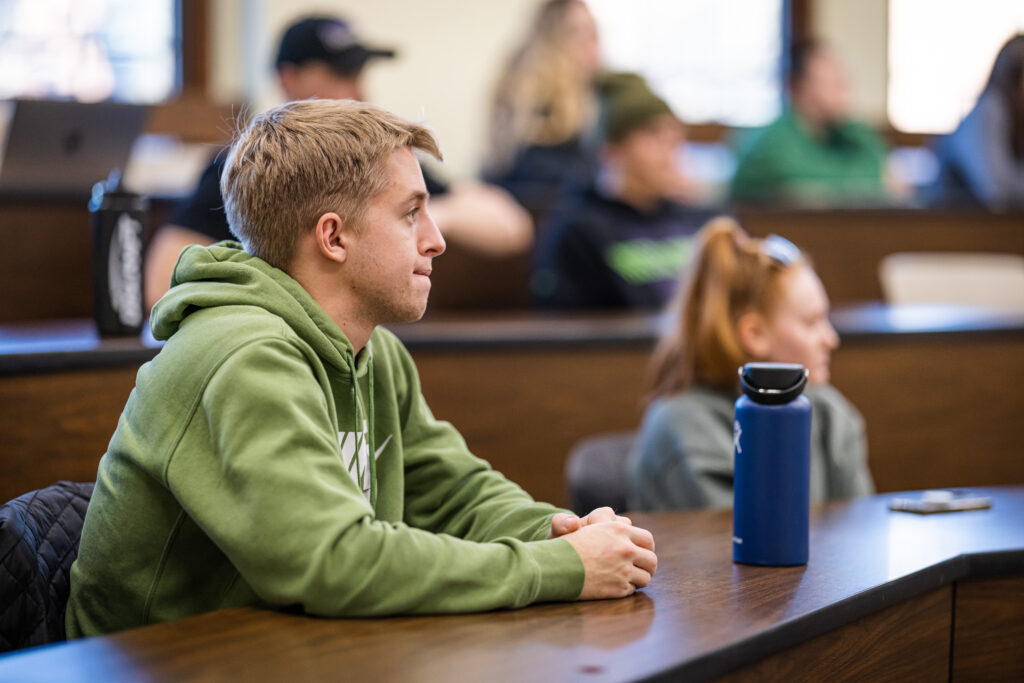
point(596, 472)
point(39, 535)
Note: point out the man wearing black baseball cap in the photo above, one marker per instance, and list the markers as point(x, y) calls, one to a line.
point(322, 57)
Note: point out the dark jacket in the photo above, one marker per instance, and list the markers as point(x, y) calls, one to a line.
point(39, 534)
point(597, 252)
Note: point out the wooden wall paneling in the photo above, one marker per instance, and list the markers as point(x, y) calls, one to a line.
point(988, 630)
point(522, 410)
point(45, 271)
point(56, 426)
point(46, 264)
point(465, 280)
point(195, 48)
point(908, 641)
point(940, 412)
point(847, 246)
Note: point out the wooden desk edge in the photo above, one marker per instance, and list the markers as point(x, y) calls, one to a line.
point(787, 634)
point(728, 658)
point(857, 325)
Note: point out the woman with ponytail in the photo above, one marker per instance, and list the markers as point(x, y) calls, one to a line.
point(740, 300)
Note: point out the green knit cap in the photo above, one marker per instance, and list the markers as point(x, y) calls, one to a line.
point(627, 103)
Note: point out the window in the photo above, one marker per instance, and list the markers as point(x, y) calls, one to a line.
point(89, 50)
point(940, 55)
point(714, 61)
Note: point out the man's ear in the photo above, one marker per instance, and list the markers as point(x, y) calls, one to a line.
point(287, 76)
point(753, 335)
point(332, 237)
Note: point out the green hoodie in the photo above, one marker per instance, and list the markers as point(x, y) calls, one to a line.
point(240, 474)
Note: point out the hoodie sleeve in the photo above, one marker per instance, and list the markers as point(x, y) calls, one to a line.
point(274, 496)
point(448, 489)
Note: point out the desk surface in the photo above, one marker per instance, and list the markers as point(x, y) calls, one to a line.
point(72, 344)
point(700, 617)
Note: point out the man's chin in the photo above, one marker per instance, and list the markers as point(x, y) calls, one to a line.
point(409, 315)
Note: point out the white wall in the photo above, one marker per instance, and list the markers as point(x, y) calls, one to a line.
point(856, 30)
point(450, 52)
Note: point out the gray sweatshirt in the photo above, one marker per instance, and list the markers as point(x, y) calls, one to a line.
point(683, 457)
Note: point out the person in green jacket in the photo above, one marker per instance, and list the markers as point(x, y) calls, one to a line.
point(278, 450)
point(814, 154)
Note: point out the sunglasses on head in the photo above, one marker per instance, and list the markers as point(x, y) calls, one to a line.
point(780, 250)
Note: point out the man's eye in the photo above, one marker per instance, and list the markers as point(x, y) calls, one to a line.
point(412, 214)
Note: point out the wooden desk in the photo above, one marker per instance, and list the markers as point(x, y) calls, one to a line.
point(846, 246)
point(937, 387)
point(46, 264)
point(885, 596)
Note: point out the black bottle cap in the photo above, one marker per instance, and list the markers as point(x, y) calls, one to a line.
point(772, 383)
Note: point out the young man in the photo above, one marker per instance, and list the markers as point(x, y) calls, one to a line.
point(323, 57)
point(814, 154)
point(278, 450)
point(621, 242)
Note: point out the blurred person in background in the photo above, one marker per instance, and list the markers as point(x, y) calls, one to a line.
point(321, 57)
point(982, 162)
point(544, 106)
point(741, 300)
point(621, 241)
point(814, 153)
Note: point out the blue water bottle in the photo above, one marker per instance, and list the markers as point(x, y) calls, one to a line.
point(772, 454)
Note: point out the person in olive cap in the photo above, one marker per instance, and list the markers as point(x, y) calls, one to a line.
point(321, 57)
point(621, 242)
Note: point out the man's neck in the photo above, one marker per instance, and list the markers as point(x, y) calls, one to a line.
point(638, 196)
point(323, 289)
point(814, 125)
point(357, 331)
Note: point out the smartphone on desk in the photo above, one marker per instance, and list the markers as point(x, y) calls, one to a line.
point(945, 500)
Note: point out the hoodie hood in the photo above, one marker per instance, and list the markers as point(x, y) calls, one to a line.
point(225, 275)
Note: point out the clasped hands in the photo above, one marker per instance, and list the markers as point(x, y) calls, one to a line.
point(617, 556)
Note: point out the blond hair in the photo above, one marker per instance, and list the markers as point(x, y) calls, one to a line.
point(542, 97)
point(730, 274)
point(297, 161)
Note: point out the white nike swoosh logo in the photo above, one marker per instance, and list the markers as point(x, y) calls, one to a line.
point(376, 455)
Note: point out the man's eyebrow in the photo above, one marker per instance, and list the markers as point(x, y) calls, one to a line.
point(418, 196)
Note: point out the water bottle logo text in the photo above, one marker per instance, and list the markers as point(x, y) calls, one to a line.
point(124, 268)
point(737, 432)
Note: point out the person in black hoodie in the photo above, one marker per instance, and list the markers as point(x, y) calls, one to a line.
point(621, 242)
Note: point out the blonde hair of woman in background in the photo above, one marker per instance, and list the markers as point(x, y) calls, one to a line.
point(543, 108)
point(741, 299)
point(544, 96)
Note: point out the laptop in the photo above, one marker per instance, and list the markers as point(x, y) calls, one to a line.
point(60, 147)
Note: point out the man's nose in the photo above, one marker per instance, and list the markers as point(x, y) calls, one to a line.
point(432, 243)
point(831, 336)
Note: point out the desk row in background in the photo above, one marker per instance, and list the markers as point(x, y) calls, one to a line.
point(46, 269)
point(938, 387)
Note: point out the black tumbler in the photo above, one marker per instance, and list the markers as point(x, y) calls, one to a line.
point(118, 217)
